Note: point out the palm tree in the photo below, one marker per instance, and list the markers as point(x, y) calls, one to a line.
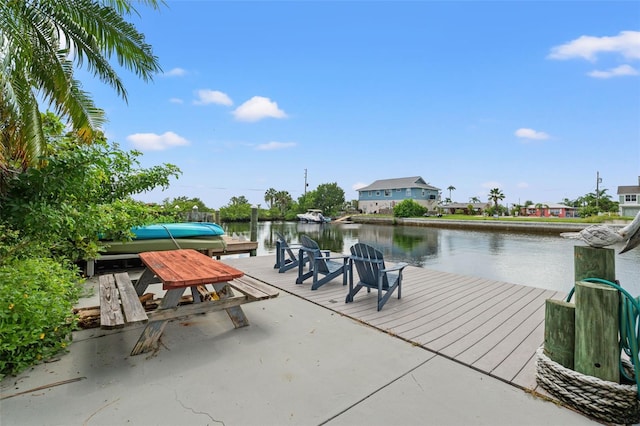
point(451, 188)
point(541, 207)
point(41, 41)
point(495, 194)
point(269, 196)
point(474, 200)
point(283, 200)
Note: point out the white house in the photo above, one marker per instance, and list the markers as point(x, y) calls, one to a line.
point(629, 199)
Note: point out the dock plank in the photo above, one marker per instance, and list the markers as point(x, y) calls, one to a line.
point(492, 326)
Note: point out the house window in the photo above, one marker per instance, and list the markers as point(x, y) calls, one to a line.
point(432, 197)
point(630, 198)
point(387, 193)
point(423, 192)
point(408, 192)
point(377, 193)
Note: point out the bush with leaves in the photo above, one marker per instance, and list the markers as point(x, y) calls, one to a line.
point(409, 208)
point(37, 295)
point(80, 193)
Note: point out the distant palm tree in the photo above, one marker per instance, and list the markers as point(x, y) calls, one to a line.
point(474, 200)
point(541, 207)
point(495, 194)
point(269, 196)
point(451, 188)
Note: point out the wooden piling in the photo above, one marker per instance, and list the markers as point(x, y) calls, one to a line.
point(597, 353)
point(590, 262)
point(559, 332)
point(254, 227)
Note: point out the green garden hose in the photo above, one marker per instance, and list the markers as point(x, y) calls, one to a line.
point(628, 325)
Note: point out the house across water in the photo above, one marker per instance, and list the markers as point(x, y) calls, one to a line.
point(383, 195)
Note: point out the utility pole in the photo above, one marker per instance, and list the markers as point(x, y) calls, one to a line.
point(305, 183)
point(598, 181)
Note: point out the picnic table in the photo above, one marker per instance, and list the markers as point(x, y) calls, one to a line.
point(178, 270)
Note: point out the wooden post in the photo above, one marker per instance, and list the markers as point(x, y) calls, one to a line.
point(559, 332)
point(590, 262)
point(216, 216)
point(597, 353)
point(254, 227)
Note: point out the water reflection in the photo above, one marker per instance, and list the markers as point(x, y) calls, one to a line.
point(532, 259)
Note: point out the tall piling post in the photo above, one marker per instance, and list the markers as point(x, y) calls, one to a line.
point(597, 352)
point(254, 227)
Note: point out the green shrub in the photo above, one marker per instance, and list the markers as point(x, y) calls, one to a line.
point(36, 317)
point(408, 208)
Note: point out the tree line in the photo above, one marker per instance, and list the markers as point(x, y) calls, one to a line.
point(590, 204)
point(280, 205)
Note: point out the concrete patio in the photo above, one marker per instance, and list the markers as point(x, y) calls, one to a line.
point(297, 363)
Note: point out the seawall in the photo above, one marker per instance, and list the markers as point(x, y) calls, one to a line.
point(488, 224)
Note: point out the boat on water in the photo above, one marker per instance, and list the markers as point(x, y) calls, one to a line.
point(312, 216)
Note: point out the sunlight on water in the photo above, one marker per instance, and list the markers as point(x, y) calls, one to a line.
point(544, 261)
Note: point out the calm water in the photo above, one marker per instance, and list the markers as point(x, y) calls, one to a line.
point(530, 259)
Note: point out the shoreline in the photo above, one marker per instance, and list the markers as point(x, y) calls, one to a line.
point(489, 224)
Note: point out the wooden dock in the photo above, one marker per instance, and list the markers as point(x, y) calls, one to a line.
point(491, 326)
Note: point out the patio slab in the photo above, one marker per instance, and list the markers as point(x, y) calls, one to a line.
point(297, 363)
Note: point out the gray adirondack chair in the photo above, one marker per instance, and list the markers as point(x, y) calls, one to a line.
point(320, 264)
point(286, 258)
point(373, 274)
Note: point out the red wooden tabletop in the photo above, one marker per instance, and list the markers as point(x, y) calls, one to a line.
point(185, 268)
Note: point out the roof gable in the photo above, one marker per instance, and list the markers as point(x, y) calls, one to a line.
point(406, 182)
point(634, 189)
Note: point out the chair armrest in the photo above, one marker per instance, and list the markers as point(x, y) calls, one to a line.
point(342, 256)
point(398, 267)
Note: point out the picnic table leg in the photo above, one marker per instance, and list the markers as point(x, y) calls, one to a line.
point(143, 282)
point(152, 332)
point(236, 313)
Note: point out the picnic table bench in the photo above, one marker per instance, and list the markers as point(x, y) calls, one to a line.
point(177, 270)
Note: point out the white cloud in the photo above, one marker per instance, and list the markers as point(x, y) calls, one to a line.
point(258, 108)
point(272, 146)
point(531, 134)
point(627, 43)
point(175, 72)
point(206, 96)
point(622, 70)
point(176, 101)
point(154, 142)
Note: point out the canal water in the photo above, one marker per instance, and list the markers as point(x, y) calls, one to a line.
point(536, 260)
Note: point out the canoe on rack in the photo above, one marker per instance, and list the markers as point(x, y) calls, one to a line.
point(215, 242)
point(177, 230)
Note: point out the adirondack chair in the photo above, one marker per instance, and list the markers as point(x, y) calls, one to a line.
point(286, 258)
point(373, 274)
point(320, 264)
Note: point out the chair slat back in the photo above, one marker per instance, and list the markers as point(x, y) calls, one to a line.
point(284, 244)
point(368, 261)
point(314, 253)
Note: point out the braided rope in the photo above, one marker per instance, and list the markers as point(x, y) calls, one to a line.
point(601, 399)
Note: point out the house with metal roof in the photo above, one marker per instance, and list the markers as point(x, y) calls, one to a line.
point(629, 199)
point(383, 195)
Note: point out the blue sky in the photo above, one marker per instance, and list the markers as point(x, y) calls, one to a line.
point(532, 97)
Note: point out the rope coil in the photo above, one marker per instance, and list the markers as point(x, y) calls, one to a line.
point(601, 399)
